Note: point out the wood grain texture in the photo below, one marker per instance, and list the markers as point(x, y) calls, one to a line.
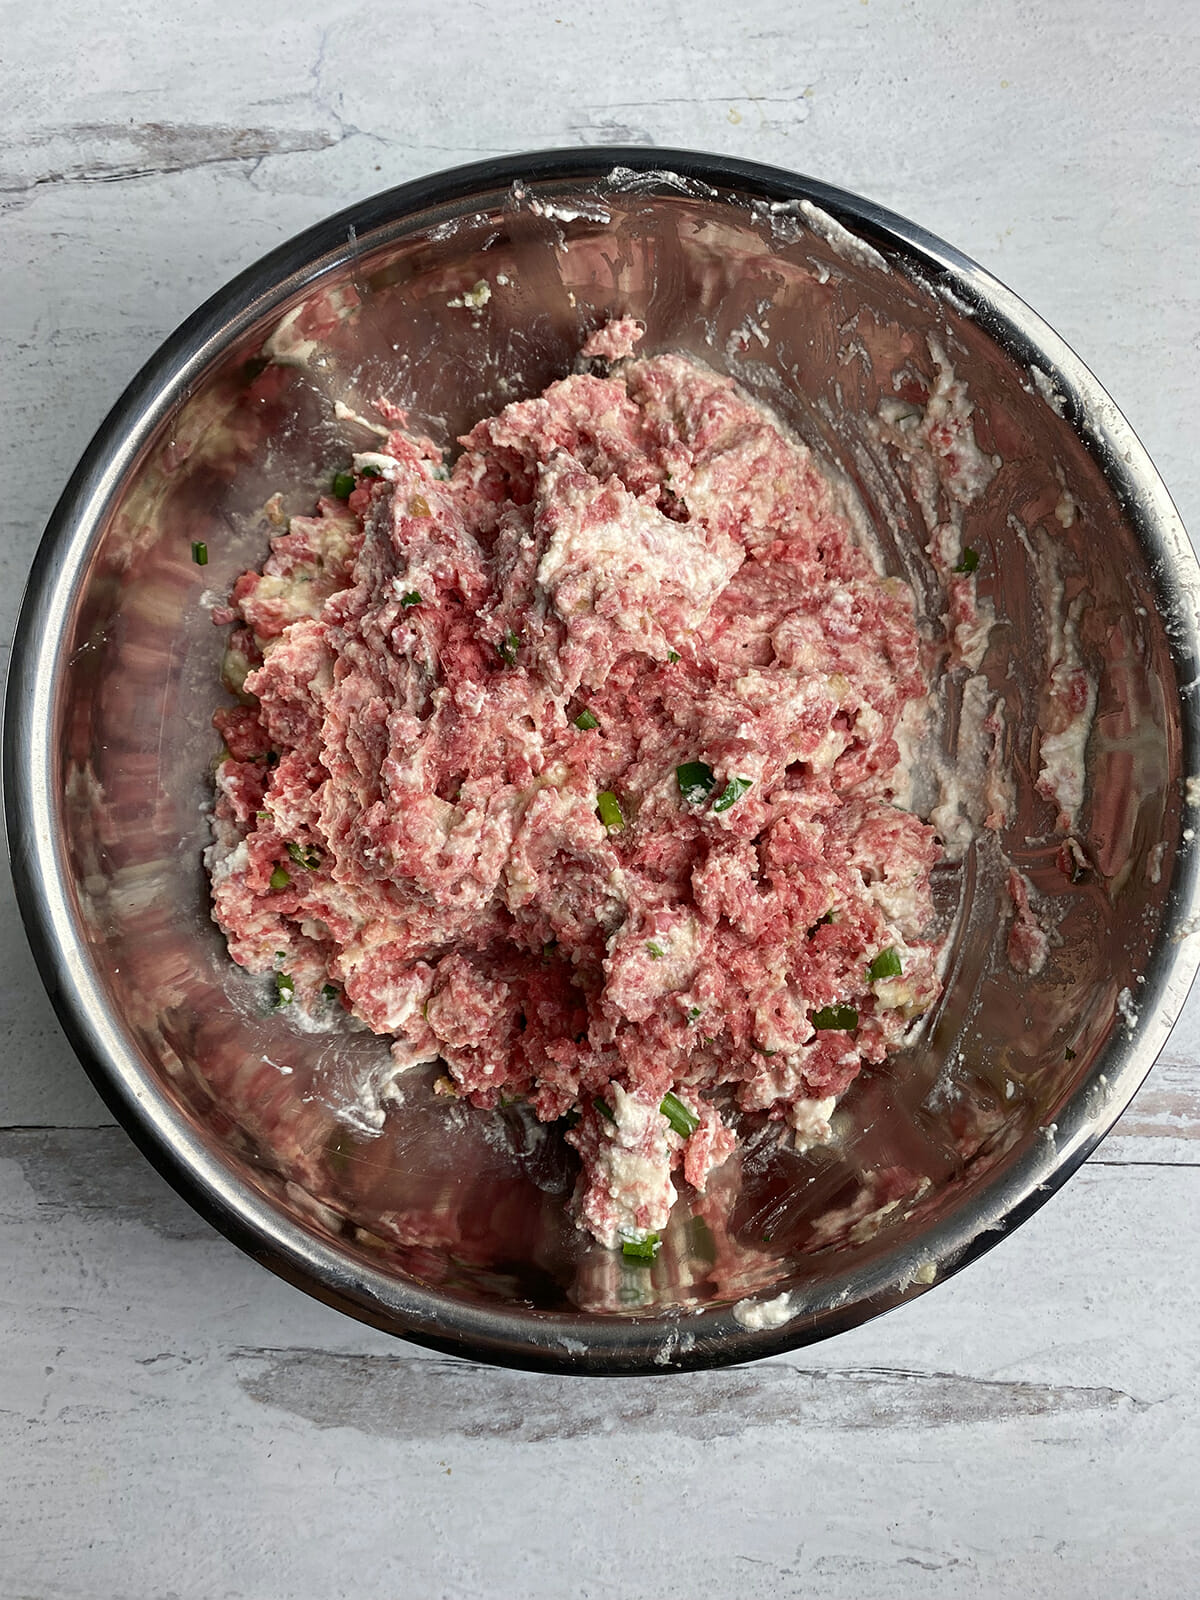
point(176, 1422)
point(165, 1406)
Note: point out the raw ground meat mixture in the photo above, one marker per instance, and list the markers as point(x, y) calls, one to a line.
point(574, 767)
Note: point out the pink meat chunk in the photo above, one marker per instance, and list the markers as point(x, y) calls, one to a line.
point(453, 788)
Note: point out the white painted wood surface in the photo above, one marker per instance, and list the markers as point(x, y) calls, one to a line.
point(173, 1420)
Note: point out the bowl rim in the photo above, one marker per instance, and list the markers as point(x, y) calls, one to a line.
point(521, 1337)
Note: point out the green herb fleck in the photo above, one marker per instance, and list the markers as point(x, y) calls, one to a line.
point(608, 809)
point(695, 779)
point(672, 656)
point(508, 648)
point(655, 951)
point(200, 553)
point(280, 878)
point(330, 991)
point(412, 598)
point(587, 720)
point(264, 816)
point(682, 1118)
point(285, 989)
point(969, 562)
point(603, 1107)
point(839, 1019)
point(885, 965)
point(732, 793)
point(693, 1015)
point(305, 855)
point(641, 1249)
point(371, 471)
point(343, 485)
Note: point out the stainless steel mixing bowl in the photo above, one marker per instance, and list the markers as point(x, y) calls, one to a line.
point(452, 1227)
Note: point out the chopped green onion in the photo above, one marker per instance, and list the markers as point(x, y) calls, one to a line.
point(330, 991)
point(693, 1015)
point(682, 1118)
point(412, 598)
point(419, 506)
point(969, 562)
point(280, 878)
point(641, 1249)
point(264, 816)
point(732, 793)
point(885, 965)
point(284, 988)
point(655, 951)
point(672, 656)
point(200, 553)
point(838, 1019)
point(508, 648)
point(603, 1107)
point(371, 471)
point(305, 855)
point(343, 485)
point(587, 720)
point(608, 809)
point(695, 779)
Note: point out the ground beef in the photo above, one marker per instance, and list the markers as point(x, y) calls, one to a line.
point(575, 769)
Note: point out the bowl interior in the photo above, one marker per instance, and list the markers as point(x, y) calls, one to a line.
point(1004, 1084)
